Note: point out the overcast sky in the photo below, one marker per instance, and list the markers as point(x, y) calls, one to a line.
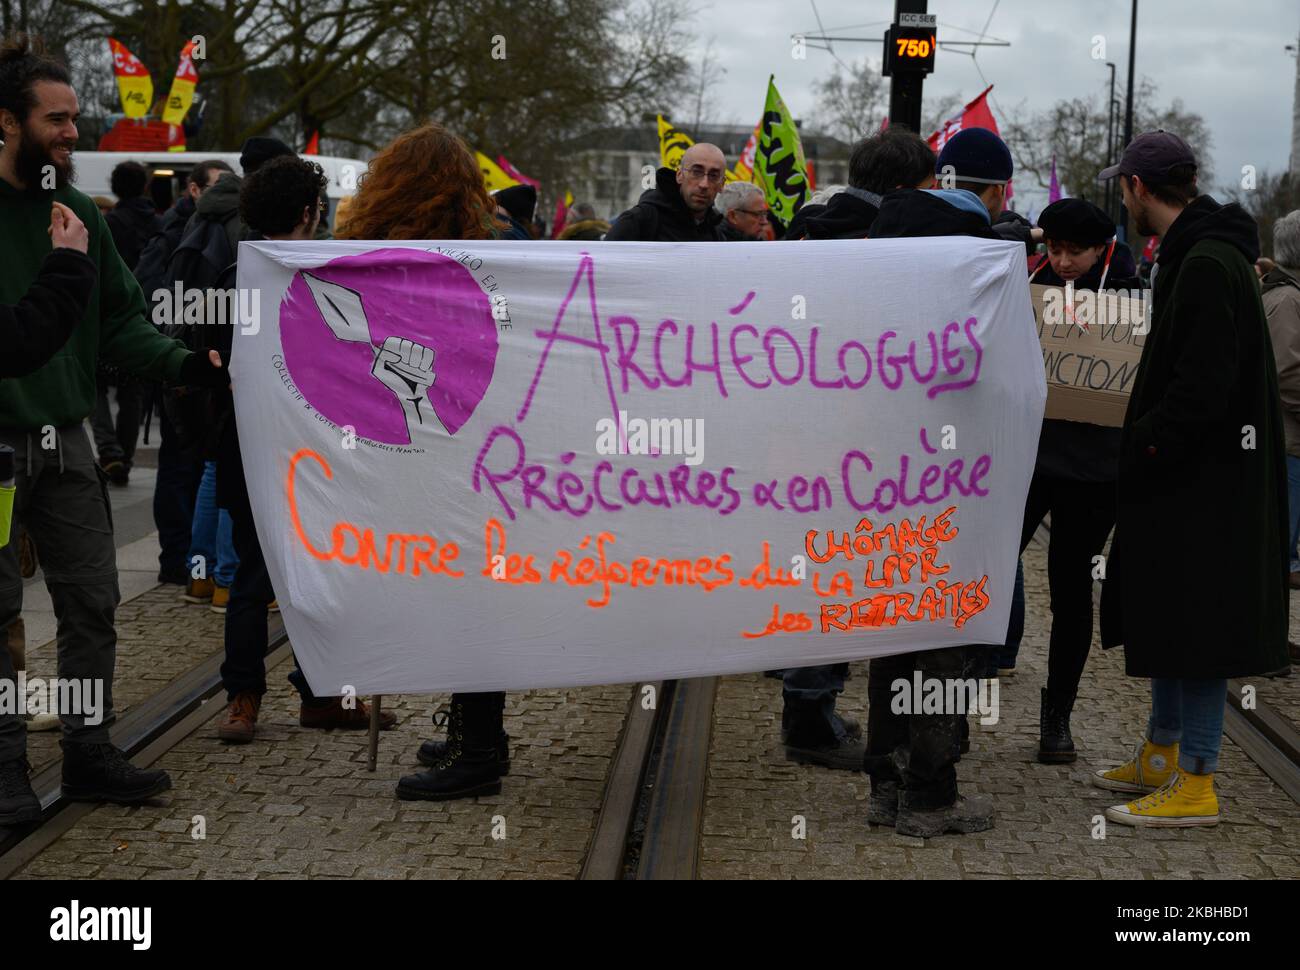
point(1224, 60)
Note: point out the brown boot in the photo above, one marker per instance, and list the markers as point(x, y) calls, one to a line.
point(240, 723)
point(331, 714)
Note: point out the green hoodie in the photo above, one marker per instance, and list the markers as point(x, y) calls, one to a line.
point(114, 329)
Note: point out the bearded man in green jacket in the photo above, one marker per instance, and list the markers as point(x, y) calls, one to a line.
point(61, 500)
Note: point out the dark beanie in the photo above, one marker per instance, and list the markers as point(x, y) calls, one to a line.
point(258, 150)
point(519, 200)
point(976, 155)
point(1076, 221)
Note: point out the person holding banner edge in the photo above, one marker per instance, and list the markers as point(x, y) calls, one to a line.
point(811, 729)
point(426, 184)
point(911, 758)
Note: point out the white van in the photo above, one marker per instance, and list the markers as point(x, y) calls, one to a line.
point(170, 170)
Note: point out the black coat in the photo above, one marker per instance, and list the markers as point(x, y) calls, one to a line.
point(1196, 583)
point(151, 270)
point(133, 222)
point(661, 216)
point(33, 330)
point(845, 216)
point(913, 212)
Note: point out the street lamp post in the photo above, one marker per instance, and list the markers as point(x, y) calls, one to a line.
point(1128, 110)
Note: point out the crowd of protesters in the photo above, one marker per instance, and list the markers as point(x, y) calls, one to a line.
point(1223, 355)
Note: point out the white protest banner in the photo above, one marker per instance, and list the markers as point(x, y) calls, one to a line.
point(504, 465)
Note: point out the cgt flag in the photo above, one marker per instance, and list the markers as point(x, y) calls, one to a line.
point(493, 176)
point(133, 81)
point(182, 92)
point(744, 168)
point(779, 165)
point(672, 144)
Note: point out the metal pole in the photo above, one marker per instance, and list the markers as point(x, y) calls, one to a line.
point(905, 91)
point(1110, 142)
point(376, 703)
point(1128, 110)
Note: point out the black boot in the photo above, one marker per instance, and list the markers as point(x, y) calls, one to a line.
point(470, 765)
point(101, 773)
point(431, 752)
point(1055, 746)
point(18, 803)
point(811, 740)
point(882, 808)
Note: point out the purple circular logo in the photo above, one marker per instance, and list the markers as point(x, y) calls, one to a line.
point(390, 342)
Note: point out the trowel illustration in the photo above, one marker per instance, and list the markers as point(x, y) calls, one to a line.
point(405, 367)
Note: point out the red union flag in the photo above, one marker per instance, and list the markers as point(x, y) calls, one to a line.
point(975, 115)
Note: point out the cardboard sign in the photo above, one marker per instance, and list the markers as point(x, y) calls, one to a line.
point(1091, 348)
point(504, 465)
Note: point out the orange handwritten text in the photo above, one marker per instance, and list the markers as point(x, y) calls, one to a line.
point(958, 601)
point(404, 553)
point(782, 623)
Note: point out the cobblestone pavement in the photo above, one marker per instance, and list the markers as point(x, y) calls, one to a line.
point(1045, 814)
point(298, 803)
point(1283, 693)
point(159, 637)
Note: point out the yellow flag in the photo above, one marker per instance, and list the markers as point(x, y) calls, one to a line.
point(493, 175)
point(672, 144)
point(182, 92)
point(133, 81)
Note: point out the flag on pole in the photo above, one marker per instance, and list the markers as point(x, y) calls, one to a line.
point(133, 81)
point(672, 144)
point(515, 174)
point(744, 168)
point(182, 92)
point(976, 114)
point(493, 177)
point(779, 163)
point(1054, 190)
point(562, 207)
point(313, 144)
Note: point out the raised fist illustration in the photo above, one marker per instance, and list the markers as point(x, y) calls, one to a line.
point(405, 368)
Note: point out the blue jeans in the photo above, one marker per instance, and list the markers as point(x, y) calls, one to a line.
point(1293, 508)
point(210, 535)
point(1189, 713)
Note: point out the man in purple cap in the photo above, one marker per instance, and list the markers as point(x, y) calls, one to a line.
point(1203, 433)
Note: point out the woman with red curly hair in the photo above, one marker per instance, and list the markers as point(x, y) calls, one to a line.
point(427, 185)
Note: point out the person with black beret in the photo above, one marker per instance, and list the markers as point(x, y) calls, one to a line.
point(1082, 249)
point(1074, 477)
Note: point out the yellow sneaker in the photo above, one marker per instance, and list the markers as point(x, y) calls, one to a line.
point(1185, 800)
point(1149, 768)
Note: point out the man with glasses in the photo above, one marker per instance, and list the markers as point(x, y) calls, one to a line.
point(680, 206)
point(744, 212)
